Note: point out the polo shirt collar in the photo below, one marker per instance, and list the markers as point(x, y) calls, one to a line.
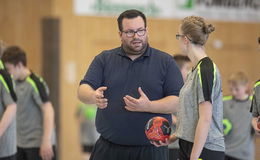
point(147, 52)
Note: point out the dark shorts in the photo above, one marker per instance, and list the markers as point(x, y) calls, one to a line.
point(87, 148)
point(173, 153)
point(105, 150)
point(206, 154)
point(230, 158)
point(30, 154)
point(13, 157)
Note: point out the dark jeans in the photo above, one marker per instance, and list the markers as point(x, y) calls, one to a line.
point(30, 154)
point(206, 154)
point(105, 150)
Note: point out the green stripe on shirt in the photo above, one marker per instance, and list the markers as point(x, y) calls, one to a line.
point(1, 65)
point(4, 83)
point(29, 80)
point(226, 98)
point(215, 70)
point(199, 73)
point(257, 84)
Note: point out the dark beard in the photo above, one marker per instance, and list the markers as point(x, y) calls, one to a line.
point(132, 52)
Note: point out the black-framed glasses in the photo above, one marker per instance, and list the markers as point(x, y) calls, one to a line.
point(131, 33)
point(179, 35)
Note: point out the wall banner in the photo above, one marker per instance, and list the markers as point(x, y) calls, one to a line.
point(224, 10)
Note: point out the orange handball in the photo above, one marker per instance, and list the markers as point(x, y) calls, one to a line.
point(157, 129)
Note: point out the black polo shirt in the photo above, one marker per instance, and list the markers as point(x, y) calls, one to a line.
point(155, 72)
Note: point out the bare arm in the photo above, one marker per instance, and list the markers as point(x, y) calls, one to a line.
point(46, 151)
point(7, 118)
point(202, 129)
point(165, 105)
point(88, 95)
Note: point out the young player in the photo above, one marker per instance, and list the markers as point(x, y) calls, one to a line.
point(239, 139)
point(35, 115)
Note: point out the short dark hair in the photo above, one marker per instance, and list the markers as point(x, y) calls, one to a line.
point(14, 55)
point(129, 14)
point(181, 60)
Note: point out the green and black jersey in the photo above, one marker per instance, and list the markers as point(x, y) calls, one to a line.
point(255, 107)
point(203, 83)
point(7, 97)
point(32, 93)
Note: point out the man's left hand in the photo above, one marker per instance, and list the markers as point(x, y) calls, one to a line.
point(137, 105)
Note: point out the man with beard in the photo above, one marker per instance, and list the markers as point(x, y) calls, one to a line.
point(130, 84)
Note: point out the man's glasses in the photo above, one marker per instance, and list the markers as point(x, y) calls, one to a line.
point(131, 33)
